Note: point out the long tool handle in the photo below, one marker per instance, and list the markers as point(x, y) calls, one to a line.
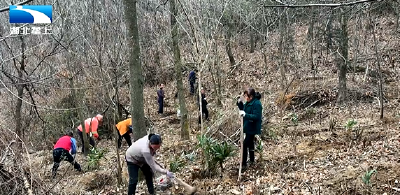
point(190, 189)
point(241, 149)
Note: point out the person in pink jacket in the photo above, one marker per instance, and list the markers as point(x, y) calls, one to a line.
point(91, 126)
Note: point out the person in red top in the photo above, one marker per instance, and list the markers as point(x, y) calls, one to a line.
point(91, 126)
point(63, 150)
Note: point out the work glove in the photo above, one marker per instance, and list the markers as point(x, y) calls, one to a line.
point(238, 99)
point(242, 113)
point(170, 174)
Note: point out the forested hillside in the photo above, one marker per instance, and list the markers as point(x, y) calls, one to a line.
point(327, 72)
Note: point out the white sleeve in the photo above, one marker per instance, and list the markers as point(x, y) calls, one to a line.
point(153, 165)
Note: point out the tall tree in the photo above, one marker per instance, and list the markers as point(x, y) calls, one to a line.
point(282, 66)
point(20, 89)
point(178, 71)
point(343, 56)
point(135, 68)
point(378, 63)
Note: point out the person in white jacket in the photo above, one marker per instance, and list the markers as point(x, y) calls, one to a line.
point(140, 155)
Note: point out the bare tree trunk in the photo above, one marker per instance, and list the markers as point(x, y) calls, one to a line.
point(20, 92)
point(397, 13)
point(116, 119)
point(135, 68)
point(311, 39)
point(343, 55)
point(282, 67)
point(252, 40)
point(378, 62)
point(84, 135)
point(357, 45)
point(228, 47)
point(329, 33)
point(215, 75)
point(178, 71)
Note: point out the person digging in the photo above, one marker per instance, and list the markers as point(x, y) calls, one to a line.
point(140, 155)
point(64, 148)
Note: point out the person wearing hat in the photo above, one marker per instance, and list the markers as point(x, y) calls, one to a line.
point(140, 155)
point(91, 126)
point(64, 148)
point(124, 130)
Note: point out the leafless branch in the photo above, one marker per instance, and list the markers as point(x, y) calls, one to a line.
point(319, 5)
point(20, 3)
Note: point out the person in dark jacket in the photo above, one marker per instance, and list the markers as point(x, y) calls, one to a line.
point(252, 119)
point(240, 104)
point(204, 103)
point(192, 79)
point(63, 150)
point(160, 95)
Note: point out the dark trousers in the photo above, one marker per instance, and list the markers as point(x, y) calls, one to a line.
point(160, 106)
point(133, 171)
point(61, 154)
point(248, 147)
point(204, 111)
point(191, 87)
point(91, 140)
point(127, 137)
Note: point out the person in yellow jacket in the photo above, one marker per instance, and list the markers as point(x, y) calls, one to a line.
point(124, 130)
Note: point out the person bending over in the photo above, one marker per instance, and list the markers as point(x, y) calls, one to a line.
point(140, 155)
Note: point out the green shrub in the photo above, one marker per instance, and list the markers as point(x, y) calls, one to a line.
point(214, 153)
point(367, 176)
point(176, 164)
point(220, 152)
point(350, 124)
point(94, 158)
point(294, 118)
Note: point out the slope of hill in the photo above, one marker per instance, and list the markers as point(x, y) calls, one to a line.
point(310, 144)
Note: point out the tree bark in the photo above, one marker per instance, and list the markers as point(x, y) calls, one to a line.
point(378, 62)
point(228, 47)
point(343, 56)
point(282, 67)
point(329, 33)
point(311, 39)
point(84, 135)
point(116, 133)
point(20, 92)
point(135, 68)
point(252, 41)
point(178, 71)
point(218, 75)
